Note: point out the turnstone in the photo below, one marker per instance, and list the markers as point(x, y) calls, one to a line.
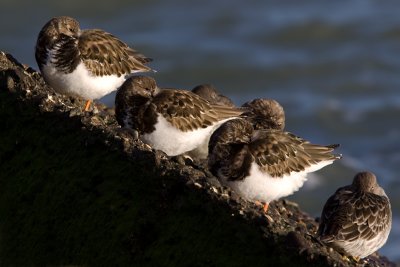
point(265, 113)
point(263, 165)
point(85, 63)
point(357, 219)
point(209, 93)
point(174, 121)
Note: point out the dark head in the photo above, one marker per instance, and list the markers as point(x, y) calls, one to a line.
point(59, 26)
point(266, 114)
point(55, 30)
point(143, 86)
point(209, 93)
point(236, 131)
point(366, 182)
point(133, 94)
point(228, 156)
point(206, 91)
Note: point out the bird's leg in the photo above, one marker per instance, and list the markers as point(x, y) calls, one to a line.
point(264, 205)
point(87, 105)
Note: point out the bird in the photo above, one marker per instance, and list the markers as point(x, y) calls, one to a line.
point(265, 113)
point(356, 220)
point(86, 63)
point(172, 120)
point(210, 93)
point(264, 165)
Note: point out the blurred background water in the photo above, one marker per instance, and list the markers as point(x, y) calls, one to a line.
point(333, 65)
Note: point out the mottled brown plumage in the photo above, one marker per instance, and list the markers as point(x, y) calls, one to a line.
point(85, 63)
point(188, 111)
point(101, 52)
point(210, 93)
point(263, 165)
point(140, 104)
point(277, 153)
point(229, 154)
point(104, 54)
point(281, 153)
point(63, 33)
point(132, 104)
point(357, 219)
point(265, 113)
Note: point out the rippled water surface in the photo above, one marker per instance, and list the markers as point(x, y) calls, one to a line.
point(334, 66)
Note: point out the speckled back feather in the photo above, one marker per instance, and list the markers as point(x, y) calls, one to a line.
point(235, 145)
point(101, 52)
point(279, 153)
point(188, 111)
point(349, 215)
point(104, 54)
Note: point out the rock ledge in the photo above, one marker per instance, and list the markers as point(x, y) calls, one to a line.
point(75, 189)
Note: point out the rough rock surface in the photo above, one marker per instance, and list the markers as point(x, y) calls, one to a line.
point(75, 189)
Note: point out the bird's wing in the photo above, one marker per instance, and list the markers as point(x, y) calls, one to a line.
point(348, 216)
point(187, 111)
point(104, 54)
point(281, 153)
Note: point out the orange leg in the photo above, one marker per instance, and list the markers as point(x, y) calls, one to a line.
point(265, 205)
point(87, 105)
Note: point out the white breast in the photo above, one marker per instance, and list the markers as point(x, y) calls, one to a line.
point(201, 152)
point(175, 142)
point(81, 82)
point(260, 186)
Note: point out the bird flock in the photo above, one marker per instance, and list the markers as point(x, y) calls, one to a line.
point(246, 147)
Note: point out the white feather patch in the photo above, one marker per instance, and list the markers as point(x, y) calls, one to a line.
point(260, 186)
point(81, 82)
point(175, 142)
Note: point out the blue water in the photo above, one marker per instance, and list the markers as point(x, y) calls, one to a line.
point(334, 66)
